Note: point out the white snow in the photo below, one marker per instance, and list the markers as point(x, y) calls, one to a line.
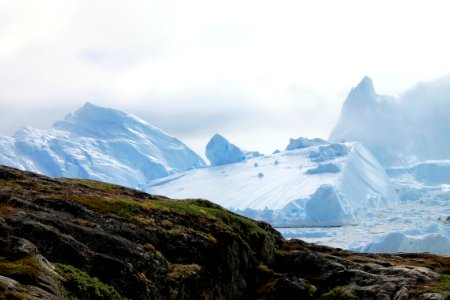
point(432, 172)
point(278, 189)
point(302, 142)
point(419, 223)
point(220, 151)
point(99, 143)
point(324, 168)
point(417, 242)
point(329, 152)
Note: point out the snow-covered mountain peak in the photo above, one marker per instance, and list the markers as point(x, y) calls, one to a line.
point(96, 114)
point(26, 130)
point(365, 85)
point(96, 121)
point(99, 143)
point(362, 95)
point(402, 130)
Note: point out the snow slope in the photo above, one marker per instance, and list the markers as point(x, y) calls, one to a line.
point(402, 130)
point(99, 143)
point(281, 188)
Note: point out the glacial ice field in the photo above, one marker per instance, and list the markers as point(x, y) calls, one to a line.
point(418, 223)
point(325, 185)
point(331, 194)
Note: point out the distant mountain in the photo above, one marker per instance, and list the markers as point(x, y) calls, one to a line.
point(99, 143)
point(401, 130)
point(220, 151)
point(331, 184)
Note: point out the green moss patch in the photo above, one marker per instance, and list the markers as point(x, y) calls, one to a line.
point(97, 185)
point(25, 270)
point(80, 285)
point(340, 293)
point(121, 206)
point(443, 287)
point(206, 209)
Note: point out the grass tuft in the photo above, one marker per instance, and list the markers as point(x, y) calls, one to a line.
point(340, 293)
point(443, 286)
point(25, 270)
point(80, 285)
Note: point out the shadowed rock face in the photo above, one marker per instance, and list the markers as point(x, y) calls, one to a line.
point(141, 246)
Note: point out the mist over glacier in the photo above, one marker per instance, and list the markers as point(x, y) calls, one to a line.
point(410, 135)
point(401, 130)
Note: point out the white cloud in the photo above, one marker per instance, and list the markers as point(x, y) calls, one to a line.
point(259, 71)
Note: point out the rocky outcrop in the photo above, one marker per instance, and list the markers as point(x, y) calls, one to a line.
point(62, 238)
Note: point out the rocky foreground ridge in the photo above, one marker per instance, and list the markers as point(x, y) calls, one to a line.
point(80, 239)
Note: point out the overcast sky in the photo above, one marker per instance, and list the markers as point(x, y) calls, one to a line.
point(257, 72)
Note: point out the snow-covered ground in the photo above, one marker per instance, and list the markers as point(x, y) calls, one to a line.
point(332, 184)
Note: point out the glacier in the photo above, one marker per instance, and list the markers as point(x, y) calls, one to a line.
point(328, 185)
point(418, 223)
point(399, 130)
point(101, 144)
point(425, 188)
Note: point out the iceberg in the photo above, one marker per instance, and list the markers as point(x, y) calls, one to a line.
point(220, 151)
point(433, 238)
point(101, 144)
point(432, 172)
point(402, 130)
point(302, 142)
